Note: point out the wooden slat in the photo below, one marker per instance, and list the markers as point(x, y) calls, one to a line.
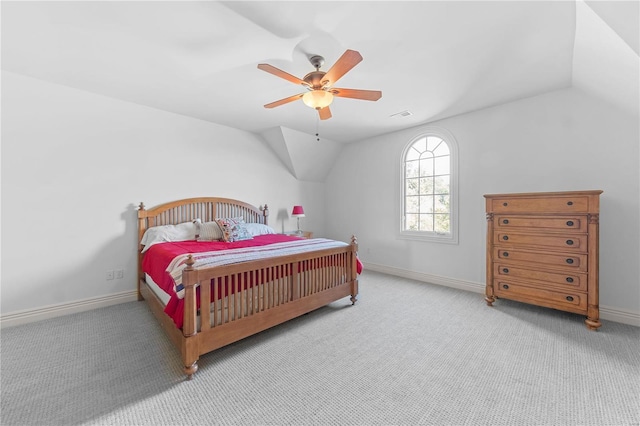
point(216, 301)
point(205, 301)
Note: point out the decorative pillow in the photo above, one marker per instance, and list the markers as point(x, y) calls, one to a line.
point(167, 233)
point(259, 229)
point(233, 229)
point(209, 231)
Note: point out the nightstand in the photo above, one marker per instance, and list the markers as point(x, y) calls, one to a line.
point(303, 234)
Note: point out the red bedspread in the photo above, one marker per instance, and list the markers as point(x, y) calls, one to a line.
point(159, 256)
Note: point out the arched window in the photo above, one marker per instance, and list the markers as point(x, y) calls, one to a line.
point(429, 188)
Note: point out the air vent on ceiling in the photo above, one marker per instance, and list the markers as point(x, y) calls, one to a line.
point(404, 113)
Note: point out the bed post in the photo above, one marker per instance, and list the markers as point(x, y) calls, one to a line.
point(142, 227)
point(265, 213)
point(354, 270)
point(190, 350)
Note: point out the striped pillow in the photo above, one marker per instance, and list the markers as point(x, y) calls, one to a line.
point(209, 231)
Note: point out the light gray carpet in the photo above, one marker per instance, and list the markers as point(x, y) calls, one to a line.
point(407, 353)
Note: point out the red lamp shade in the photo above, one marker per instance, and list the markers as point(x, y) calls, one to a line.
point(298, 211)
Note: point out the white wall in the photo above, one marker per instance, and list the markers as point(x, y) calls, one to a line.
point(75, 165)
point(564, 140)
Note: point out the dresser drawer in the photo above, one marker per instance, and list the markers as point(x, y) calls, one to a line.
point(571, 301)
point(570, 280)
point(572, 242)
point(551, 204)
point(564, 261)
point(542, 223)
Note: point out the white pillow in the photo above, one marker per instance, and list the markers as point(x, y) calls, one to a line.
point(209, 231)
point(259, 229)
point(168, 233)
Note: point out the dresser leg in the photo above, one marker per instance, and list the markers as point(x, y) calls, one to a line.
point(592, 324)
point(490, 300)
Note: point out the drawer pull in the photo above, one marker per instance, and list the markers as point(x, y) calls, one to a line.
point(505, 237)
point(569, 223)
point(506, 287)
point(505, 253)
point(569, 279)
point(569, 298)
point(569, 242)
point(505, 221)
point(505, 204)
point(505, 270)
point(569, 203)
point(570, 261)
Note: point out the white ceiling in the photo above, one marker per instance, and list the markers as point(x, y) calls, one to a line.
point(199, 59)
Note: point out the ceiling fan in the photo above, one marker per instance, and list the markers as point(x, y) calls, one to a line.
point(319, 84)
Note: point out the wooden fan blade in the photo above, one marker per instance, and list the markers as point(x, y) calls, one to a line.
point(324, 113)
point(284, 101)
point(278, 72)
point(348, 60)
point(367, 95)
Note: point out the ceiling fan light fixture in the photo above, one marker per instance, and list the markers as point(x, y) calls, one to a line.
point(317, 99)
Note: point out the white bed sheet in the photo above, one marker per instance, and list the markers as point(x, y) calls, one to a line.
point(164, 297)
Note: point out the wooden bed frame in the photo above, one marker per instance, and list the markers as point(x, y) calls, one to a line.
point(286, 296)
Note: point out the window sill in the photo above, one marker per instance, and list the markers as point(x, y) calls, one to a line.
point(431, 237)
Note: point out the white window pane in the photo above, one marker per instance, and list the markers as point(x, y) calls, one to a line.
point(426, 222)
point(412, 204)
point(441, 185)
point(411, 169)
point(413, 154)
point(420, 145)
point(433, 142)
point(426, 204)
point(412, 186)
point(426, 185)
point(442, 165)
point(426, 167)
point(441, 150)
point(412, 222)
point(442, 223)
point(441, 204)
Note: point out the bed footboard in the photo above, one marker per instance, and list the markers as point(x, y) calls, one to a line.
point(247, 298)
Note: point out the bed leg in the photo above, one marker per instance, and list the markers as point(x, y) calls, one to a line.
point(354, 292)
point(190, 370)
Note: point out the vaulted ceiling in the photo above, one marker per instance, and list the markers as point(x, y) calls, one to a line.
point(434, 59)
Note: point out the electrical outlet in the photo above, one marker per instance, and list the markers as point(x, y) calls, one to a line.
point(120, 274)
point(109, 275)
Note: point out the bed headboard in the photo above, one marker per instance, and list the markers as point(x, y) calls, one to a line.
point(206, 209)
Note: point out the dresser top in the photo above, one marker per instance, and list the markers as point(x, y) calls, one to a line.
point(546, 194)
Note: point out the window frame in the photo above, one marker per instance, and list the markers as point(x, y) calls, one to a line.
point(430, 236)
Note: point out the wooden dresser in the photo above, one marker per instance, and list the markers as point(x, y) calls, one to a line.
point(542, 248)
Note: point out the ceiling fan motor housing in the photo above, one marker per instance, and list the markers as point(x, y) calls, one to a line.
point(317, 61)
point(314, 79)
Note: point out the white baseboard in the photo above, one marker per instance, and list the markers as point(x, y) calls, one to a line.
point(52, 311)
point(32, 315)
point(619, 315)
point(608, 313)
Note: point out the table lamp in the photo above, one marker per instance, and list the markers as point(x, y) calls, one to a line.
point(298, 212)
